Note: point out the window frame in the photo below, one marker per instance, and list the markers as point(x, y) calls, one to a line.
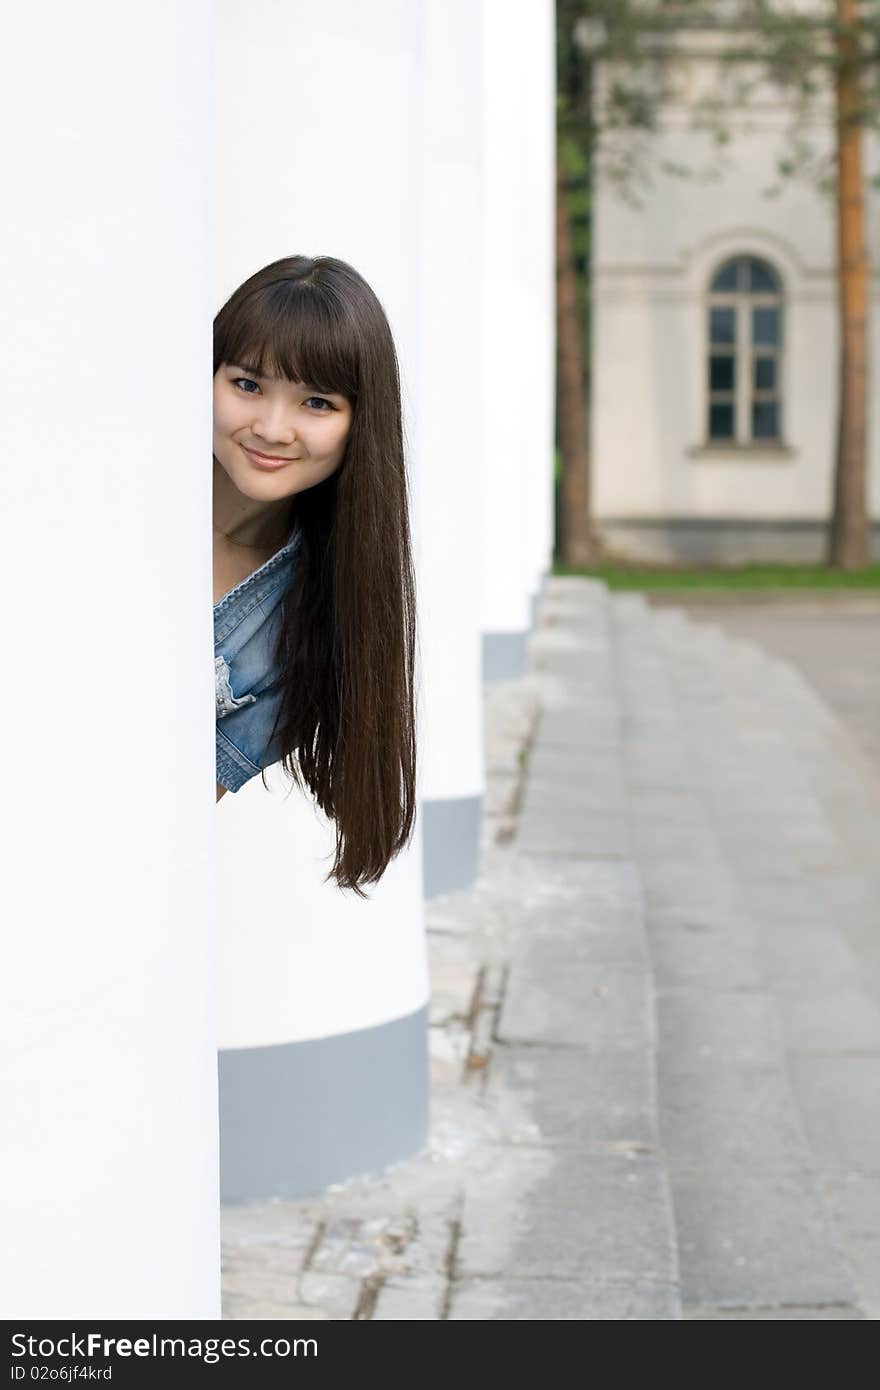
point(745, 353)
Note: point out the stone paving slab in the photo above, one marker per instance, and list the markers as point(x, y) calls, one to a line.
point(263, 1275)
point(703, 1031)
point(691, 952)
point(854, 1200)
point(583, 834)
point(758, 1239)
point(586, 1006)
point(743, 1119)
point(805, 954)
point(821, 1312)
point(754, 855)
point(657, 767)
point(840, 1099)
point(577, 934)
point(845, 1020)
point(592, 1217)
point(575, 1096)
point(410, 1301)
point(581, 794)
point(565, 911)
point(684, 888)
point(561, 1300)
point(574, 767)
point(577, 726)
point(662, 837)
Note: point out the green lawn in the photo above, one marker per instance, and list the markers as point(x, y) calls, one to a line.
point(735, 577)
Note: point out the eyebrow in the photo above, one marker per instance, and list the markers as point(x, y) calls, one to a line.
point(252, 371)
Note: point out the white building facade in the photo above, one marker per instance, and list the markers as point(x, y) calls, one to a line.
point(715, 336)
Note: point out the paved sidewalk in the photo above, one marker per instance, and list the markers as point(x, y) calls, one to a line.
point(655, 1020)
point(833, 640)
point(756, 818)
point(540, 1196)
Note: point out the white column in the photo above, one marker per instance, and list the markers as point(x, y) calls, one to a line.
point(448, 466)
point(517, 338)
point(108, 1044)
point(537, 27)
point(323, 1067)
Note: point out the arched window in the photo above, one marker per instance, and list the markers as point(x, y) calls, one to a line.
point(745, 353)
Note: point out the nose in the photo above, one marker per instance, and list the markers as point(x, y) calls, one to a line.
point(274, 424)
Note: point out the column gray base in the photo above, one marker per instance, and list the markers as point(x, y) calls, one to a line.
point(504, 655)
point(451, 844)
point(296, 1117)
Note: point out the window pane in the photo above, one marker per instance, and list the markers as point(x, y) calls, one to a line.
point(721, 420)
point(765, 373)
point(722, 325)
point(726, 277)
point(721, 373)
point(765, 415)
point(761, 277)
point(765, 326)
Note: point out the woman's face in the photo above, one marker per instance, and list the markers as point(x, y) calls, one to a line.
point(254, 414)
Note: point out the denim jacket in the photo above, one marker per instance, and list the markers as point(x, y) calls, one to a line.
point(247, 684)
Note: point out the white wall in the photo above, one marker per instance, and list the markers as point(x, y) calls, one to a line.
point(109, 1089)
point(651, 269)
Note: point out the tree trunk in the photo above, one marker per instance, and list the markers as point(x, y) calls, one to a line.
point(576, 546)
point(850, 542)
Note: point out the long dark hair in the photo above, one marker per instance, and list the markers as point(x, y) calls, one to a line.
point(346, 648)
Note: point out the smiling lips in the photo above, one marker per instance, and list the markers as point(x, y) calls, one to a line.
point(273, 458)
point(266, 460)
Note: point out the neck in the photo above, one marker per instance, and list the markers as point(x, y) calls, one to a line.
point(248, 525)
point(263, 543)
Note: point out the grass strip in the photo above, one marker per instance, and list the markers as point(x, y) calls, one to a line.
point(733, 577)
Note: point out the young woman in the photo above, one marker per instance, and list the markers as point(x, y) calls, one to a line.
point(314, 595)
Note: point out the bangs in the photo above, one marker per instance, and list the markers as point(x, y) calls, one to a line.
point(292, 330)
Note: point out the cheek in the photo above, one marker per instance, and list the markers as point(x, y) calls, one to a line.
point(326, 444)
point(342, 437)
point(225, 414)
